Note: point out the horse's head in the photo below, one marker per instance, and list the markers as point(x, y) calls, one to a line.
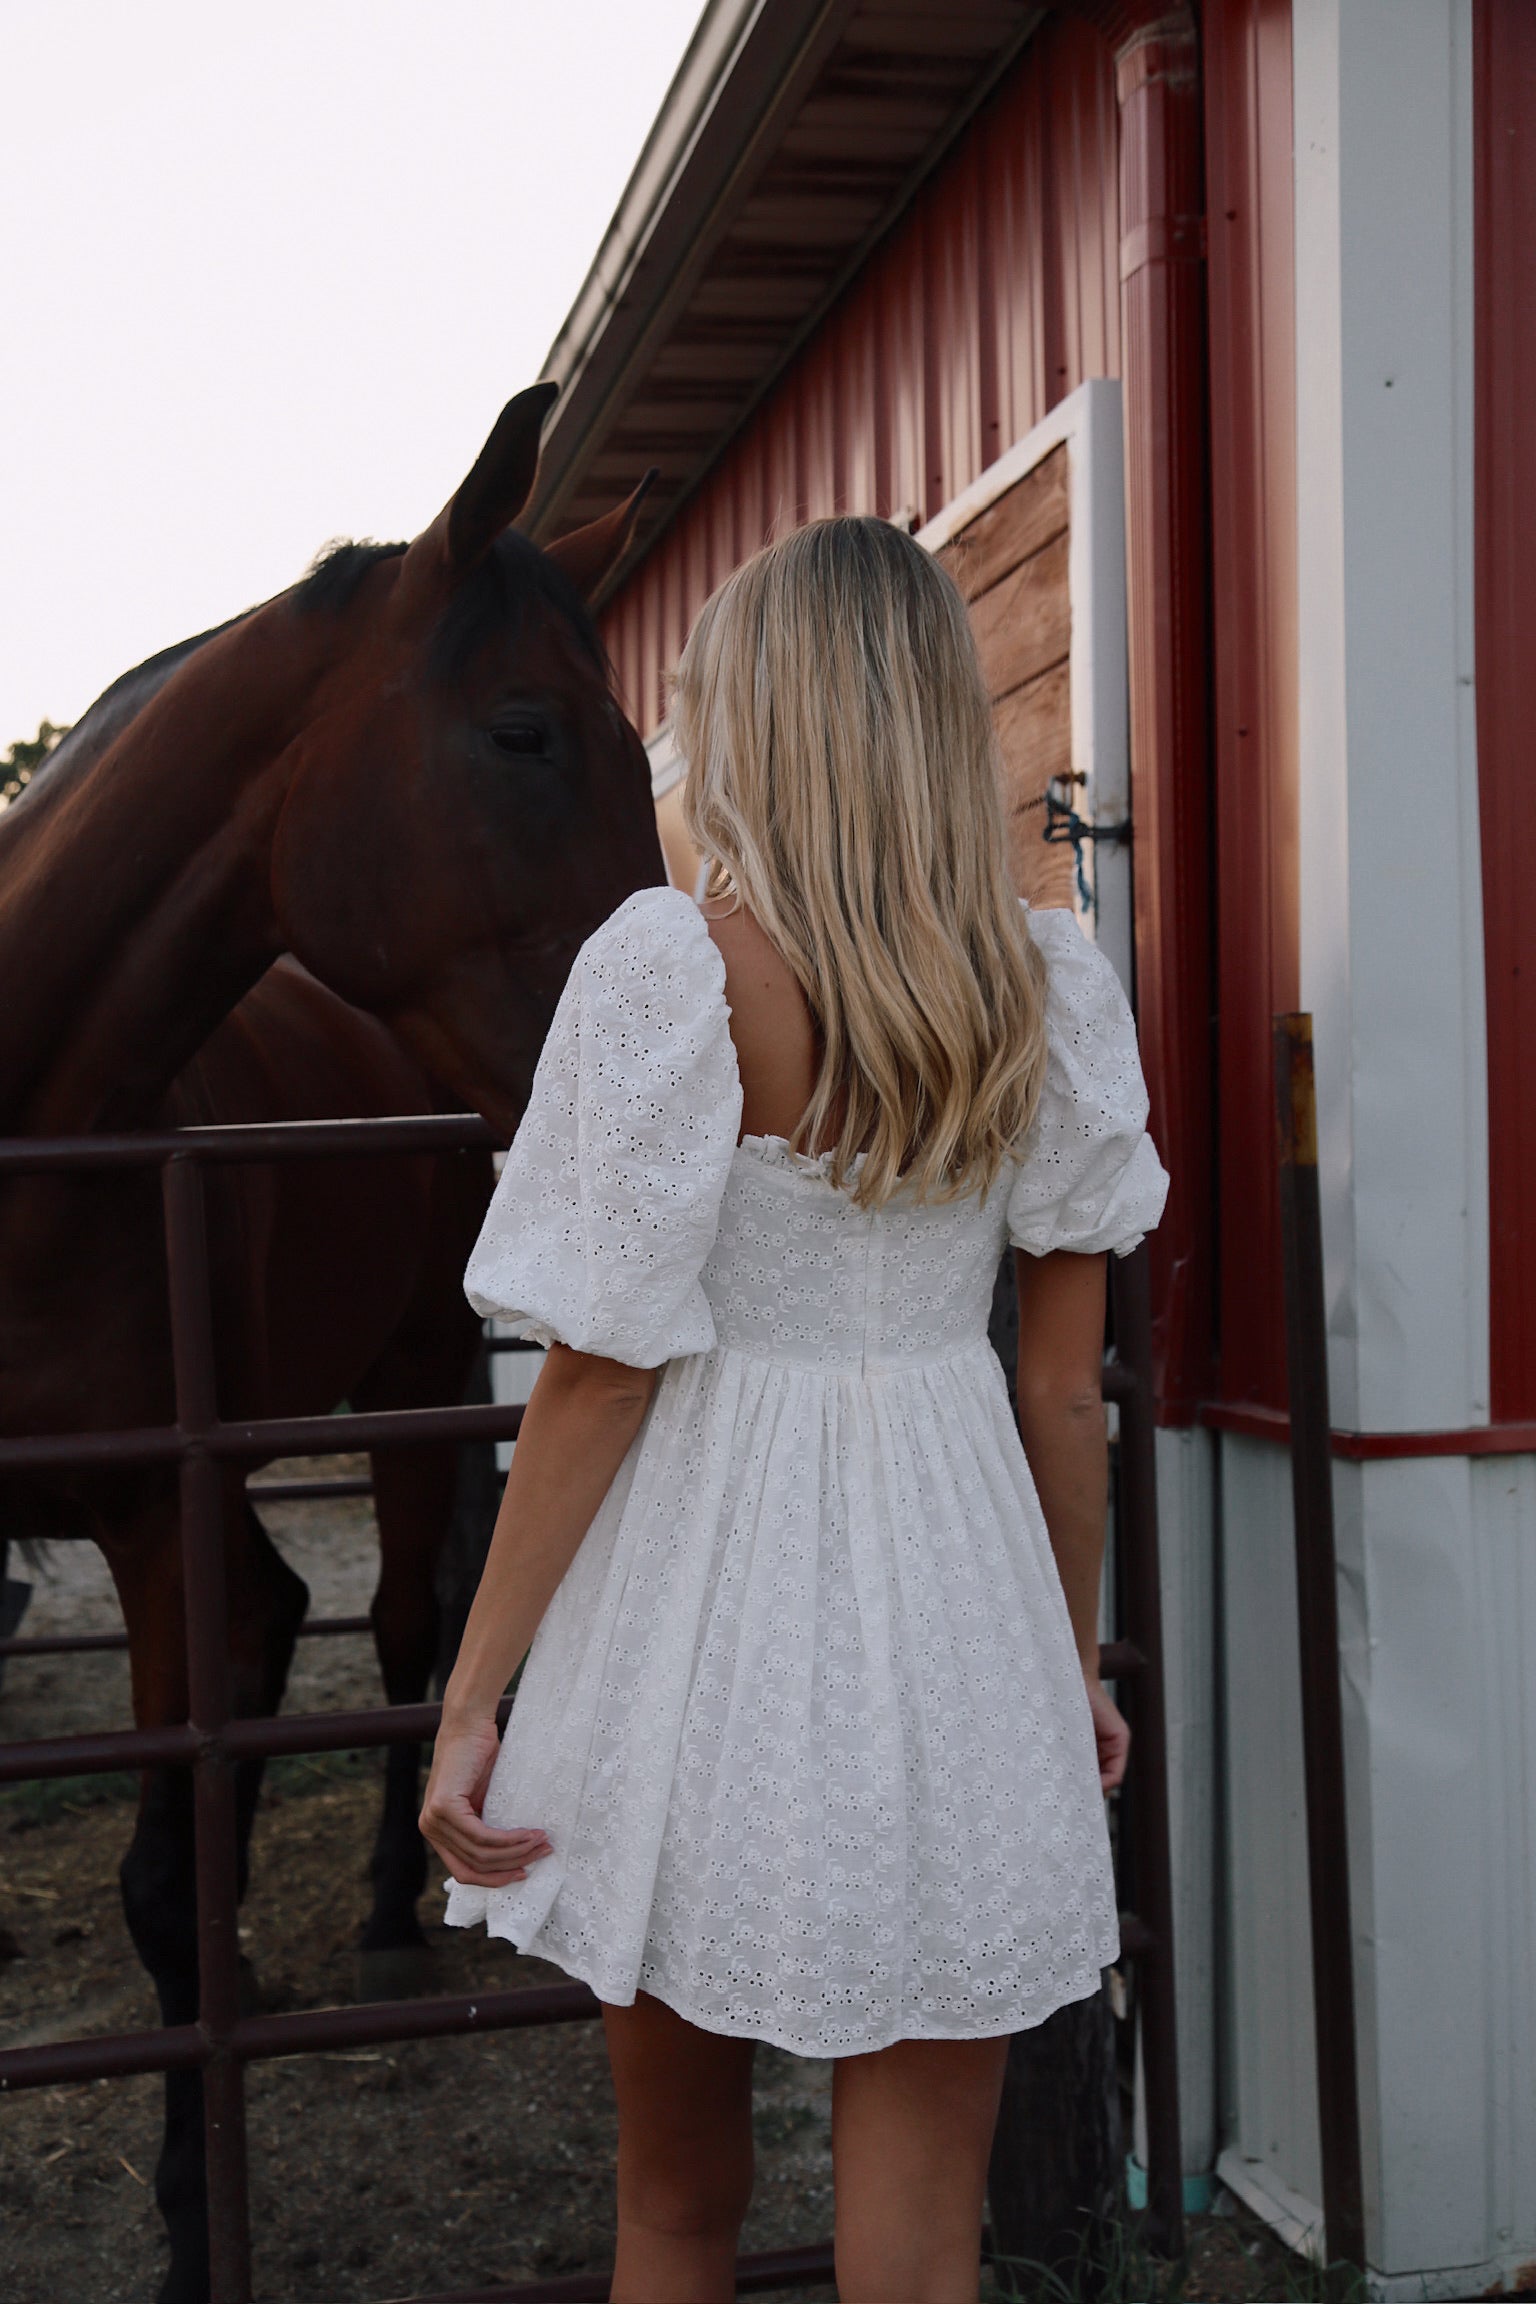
point(468, 801)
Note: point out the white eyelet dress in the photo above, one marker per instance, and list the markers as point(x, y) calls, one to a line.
point(804, 1721)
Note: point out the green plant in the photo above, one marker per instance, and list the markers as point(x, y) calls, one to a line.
point(45, 1800)
point(20, 764)
point(1112, 2267)
point(1309, 2283)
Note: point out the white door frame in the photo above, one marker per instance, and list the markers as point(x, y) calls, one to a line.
point(1089, 423)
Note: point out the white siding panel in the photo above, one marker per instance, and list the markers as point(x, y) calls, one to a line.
point(1504, 1519)
point(1421, 1972)
point(1272, 2082)
point(1391, 916)
point(1186, 1528)
point(513, 1375)
point(1437, 1596)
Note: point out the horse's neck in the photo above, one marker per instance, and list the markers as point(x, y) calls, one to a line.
point(135, 907)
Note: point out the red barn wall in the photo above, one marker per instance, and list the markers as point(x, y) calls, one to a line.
point(1504, 267)
point(994, 297)
point(1251, 287)
point(998, 292)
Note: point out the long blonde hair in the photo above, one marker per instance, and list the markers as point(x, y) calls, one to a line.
point(842, 780)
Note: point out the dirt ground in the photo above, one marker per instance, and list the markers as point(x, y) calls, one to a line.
point(427, 2166)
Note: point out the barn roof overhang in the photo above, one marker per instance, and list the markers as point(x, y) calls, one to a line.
point(793, 135)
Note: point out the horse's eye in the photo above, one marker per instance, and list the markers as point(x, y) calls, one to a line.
point(520, 739)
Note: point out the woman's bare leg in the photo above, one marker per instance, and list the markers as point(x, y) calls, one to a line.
point(685, 2155)
point(911, 2133)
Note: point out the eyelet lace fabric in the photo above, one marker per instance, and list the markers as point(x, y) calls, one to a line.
point(804, 1721)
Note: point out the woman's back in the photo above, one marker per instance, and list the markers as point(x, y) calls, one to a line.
point(771, 1029)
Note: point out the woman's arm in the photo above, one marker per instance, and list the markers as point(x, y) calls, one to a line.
point(1061, 1418)
point(576, 1432)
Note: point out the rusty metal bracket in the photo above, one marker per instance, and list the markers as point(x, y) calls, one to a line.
point(1064, 827)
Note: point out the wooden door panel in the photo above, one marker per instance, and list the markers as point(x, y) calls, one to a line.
point(1034, 735)
point(1024, 624)
point(1031, 514)
point(1010, 563)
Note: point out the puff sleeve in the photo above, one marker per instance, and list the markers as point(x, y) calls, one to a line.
point(609, 1200)
point(1089, 1177)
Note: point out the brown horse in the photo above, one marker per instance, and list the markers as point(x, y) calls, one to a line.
point(332, 859)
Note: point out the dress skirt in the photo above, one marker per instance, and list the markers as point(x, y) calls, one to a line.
point(805, 1722)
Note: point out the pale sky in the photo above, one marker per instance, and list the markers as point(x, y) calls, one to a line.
point(267, 275)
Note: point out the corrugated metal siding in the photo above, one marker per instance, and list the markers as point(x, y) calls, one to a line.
point(996, 295)
point(1250, 192)
point(1271, 2093)
point(743, 225)
point(1438, 1612)
point(1186, 1506)
point(1504, 1518)
point(1167, 549)
point(1504, 99)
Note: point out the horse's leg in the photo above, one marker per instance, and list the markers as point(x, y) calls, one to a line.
point(267, 1604)
point(14, 1599)
point(157, 1877)
point(426, 1361)
point(413, 1499)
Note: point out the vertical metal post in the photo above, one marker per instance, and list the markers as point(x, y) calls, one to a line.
point(1322, 1722)
point(213, 1782)
point(1142, 1618)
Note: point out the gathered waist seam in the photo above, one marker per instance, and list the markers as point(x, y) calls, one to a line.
point(862, 1364)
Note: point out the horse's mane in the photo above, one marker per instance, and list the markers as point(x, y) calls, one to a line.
point(336, 571)
point(488, 605)
point(329, 582)
point(492, 600)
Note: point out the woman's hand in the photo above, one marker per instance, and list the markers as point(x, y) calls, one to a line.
point(1110, 1732)
point(475, 1853)
point(576, 1431)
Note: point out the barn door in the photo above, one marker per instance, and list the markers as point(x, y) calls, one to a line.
point(1037, 548)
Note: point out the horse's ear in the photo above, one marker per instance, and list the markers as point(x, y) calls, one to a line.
point(587, 554)
point(501, 479)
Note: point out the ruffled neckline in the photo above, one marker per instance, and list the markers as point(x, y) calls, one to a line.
point(777, 1152)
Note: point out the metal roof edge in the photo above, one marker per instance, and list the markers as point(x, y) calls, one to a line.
point(743, 56)
point(695, 86)
point(680, 238)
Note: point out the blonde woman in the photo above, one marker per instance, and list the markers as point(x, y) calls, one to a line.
point(811, 1742)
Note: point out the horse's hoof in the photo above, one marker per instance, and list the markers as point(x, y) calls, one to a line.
point(399, 1972)
point(186, 2282)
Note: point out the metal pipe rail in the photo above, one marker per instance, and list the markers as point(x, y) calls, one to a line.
point(331, 1489)
point(213, 1741)
point(775, 2268)
point(240, 1147)
point(259, 1437)
point(99, 1643)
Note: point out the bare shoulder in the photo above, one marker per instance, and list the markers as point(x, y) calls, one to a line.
point(746, 949)
point(771, 1025)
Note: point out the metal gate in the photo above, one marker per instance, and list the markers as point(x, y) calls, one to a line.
point(211, 1742)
